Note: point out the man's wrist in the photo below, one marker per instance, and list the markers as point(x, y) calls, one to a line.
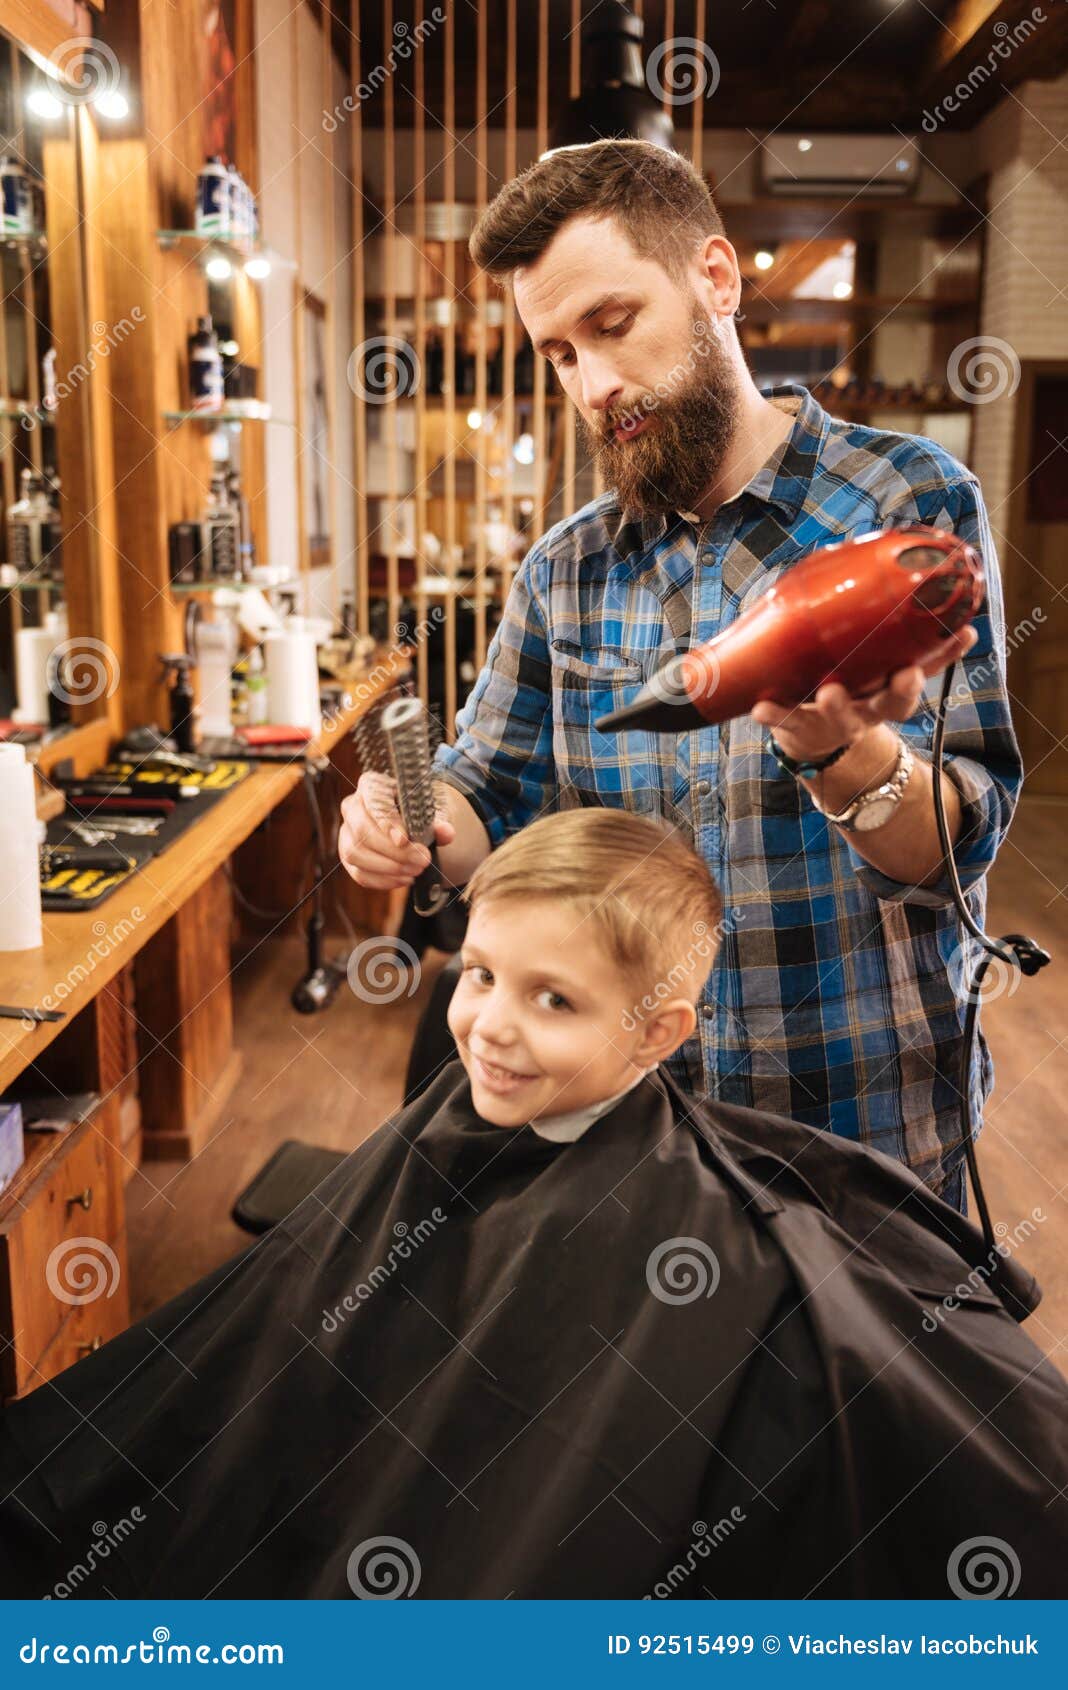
point(869, 762)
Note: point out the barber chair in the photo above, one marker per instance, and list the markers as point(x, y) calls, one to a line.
point(296, 1168)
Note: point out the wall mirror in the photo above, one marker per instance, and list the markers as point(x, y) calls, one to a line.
point(56, 672)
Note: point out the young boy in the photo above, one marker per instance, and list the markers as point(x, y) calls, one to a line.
point(554, 1330)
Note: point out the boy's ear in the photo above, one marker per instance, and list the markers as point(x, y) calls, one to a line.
point(664, 1032)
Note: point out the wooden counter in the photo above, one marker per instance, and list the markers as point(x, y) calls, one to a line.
point(82, 952)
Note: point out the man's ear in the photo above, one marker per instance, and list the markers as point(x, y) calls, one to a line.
point(664, 1032)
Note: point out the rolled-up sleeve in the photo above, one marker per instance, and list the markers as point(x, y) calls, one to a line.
point(981, 754)
point(502, 758)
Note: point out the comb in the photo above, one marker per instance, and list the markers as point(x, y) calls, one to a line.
point(399, 740)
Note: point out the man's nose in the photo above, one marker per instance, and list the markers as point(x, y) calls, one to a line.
point(601, 386)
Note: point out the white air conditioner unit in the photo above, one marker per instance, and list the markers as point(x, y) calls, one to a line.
point(887, 166)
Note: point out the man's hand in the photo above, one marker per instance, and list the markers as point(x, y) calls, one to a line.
point(834, 718)
point(373, 845)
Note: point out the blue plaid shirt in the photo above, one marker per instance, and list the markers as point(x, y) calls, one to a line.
point(837, 995)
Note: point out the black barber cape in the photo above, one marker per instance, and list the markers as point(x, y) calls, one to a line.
point(699, 1352)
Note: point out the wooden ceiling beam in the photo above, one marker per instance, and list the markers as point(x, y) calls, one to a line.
point(983, 48)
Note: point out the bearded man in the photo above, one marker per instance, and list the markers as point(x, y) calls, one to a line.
point(837, 996)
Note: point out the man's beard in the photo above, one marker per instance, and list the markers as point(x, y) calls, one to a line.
point(679, 455)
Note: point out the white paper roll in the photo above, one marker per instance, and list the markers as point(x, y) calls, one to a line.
point(20, 890)
point(33, 648)
point(293, 681)
point(216, 643)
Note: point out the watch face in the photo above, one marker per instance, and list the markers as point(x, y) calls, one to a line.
point(874, 814)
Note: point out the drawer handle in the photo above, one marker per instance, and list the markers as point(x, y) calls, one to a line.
point(93, 1344)
point(84, 1200)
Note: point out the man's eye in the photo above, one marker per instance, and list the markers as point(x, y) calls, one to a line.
point(617, 328)
point(564, 358)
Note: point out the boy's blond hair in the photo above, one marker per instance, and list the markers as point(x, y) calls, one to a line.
point(634, 883)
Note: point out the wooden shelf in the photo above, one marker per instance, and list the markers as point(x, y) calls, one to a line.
point(858, 409)
point(856, 310)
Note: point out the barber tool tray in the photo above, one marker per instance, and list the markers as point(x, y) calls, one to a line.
point(119, 817)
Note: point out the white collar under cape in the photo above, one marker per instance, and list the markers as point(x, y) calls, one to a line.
point(565, 1129)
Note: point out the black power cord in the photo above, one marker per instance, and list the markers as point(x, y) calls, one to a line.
point(317, 987)
point(1014, 949)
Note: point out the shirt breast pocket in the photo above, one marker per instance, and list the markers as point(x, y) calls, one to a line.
point(594, 767)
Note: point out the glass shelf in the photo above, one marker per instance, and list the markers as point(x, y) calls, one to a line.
point(14, 580)
point(239, 251)
point(25, 237)
point(237, 411)
point(236, 585)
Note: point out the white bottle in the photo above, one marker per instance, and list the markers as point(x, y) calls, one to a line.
point(20, 832)
point(257, 688)
point(11, 194)
point(236, 230)
point(213, 200)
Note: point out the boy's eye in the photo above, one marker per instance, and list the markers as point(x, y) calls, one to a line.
point(477, 968)
point(557, 1000)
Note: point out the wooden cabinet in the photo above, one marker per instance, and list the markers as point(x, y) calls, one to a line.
point(63, 1285)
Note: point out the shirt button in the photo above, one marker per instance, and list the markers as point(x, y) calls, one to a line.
point(708, 1010)
point(703, 788)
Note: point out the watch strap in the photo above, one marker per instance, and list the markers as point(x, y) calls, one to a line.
point(806, 767)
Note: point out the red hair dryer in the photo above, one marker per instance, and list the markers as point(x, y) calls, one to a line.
point(852, 612)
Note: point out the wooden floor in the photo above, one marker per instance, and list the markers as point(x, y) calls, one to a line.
point(332, 1078)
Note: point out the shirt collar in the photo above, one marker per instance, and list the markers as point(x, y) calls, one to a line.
point(565, 1129)
point(784, 480)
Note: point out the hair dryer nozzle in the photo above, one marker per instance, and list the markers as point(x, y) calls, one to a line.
point(852, 612)
point(663, 705)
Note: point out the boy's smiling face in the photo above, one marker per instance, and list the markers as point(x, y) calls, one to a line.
point(541, 1015)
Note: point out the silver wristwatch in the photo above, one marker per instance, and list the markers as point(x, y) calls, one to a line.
point(873, 809)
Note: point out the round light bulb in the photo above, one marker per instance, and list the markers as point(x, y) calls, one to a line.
point(43, 103)
point(112, 104)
